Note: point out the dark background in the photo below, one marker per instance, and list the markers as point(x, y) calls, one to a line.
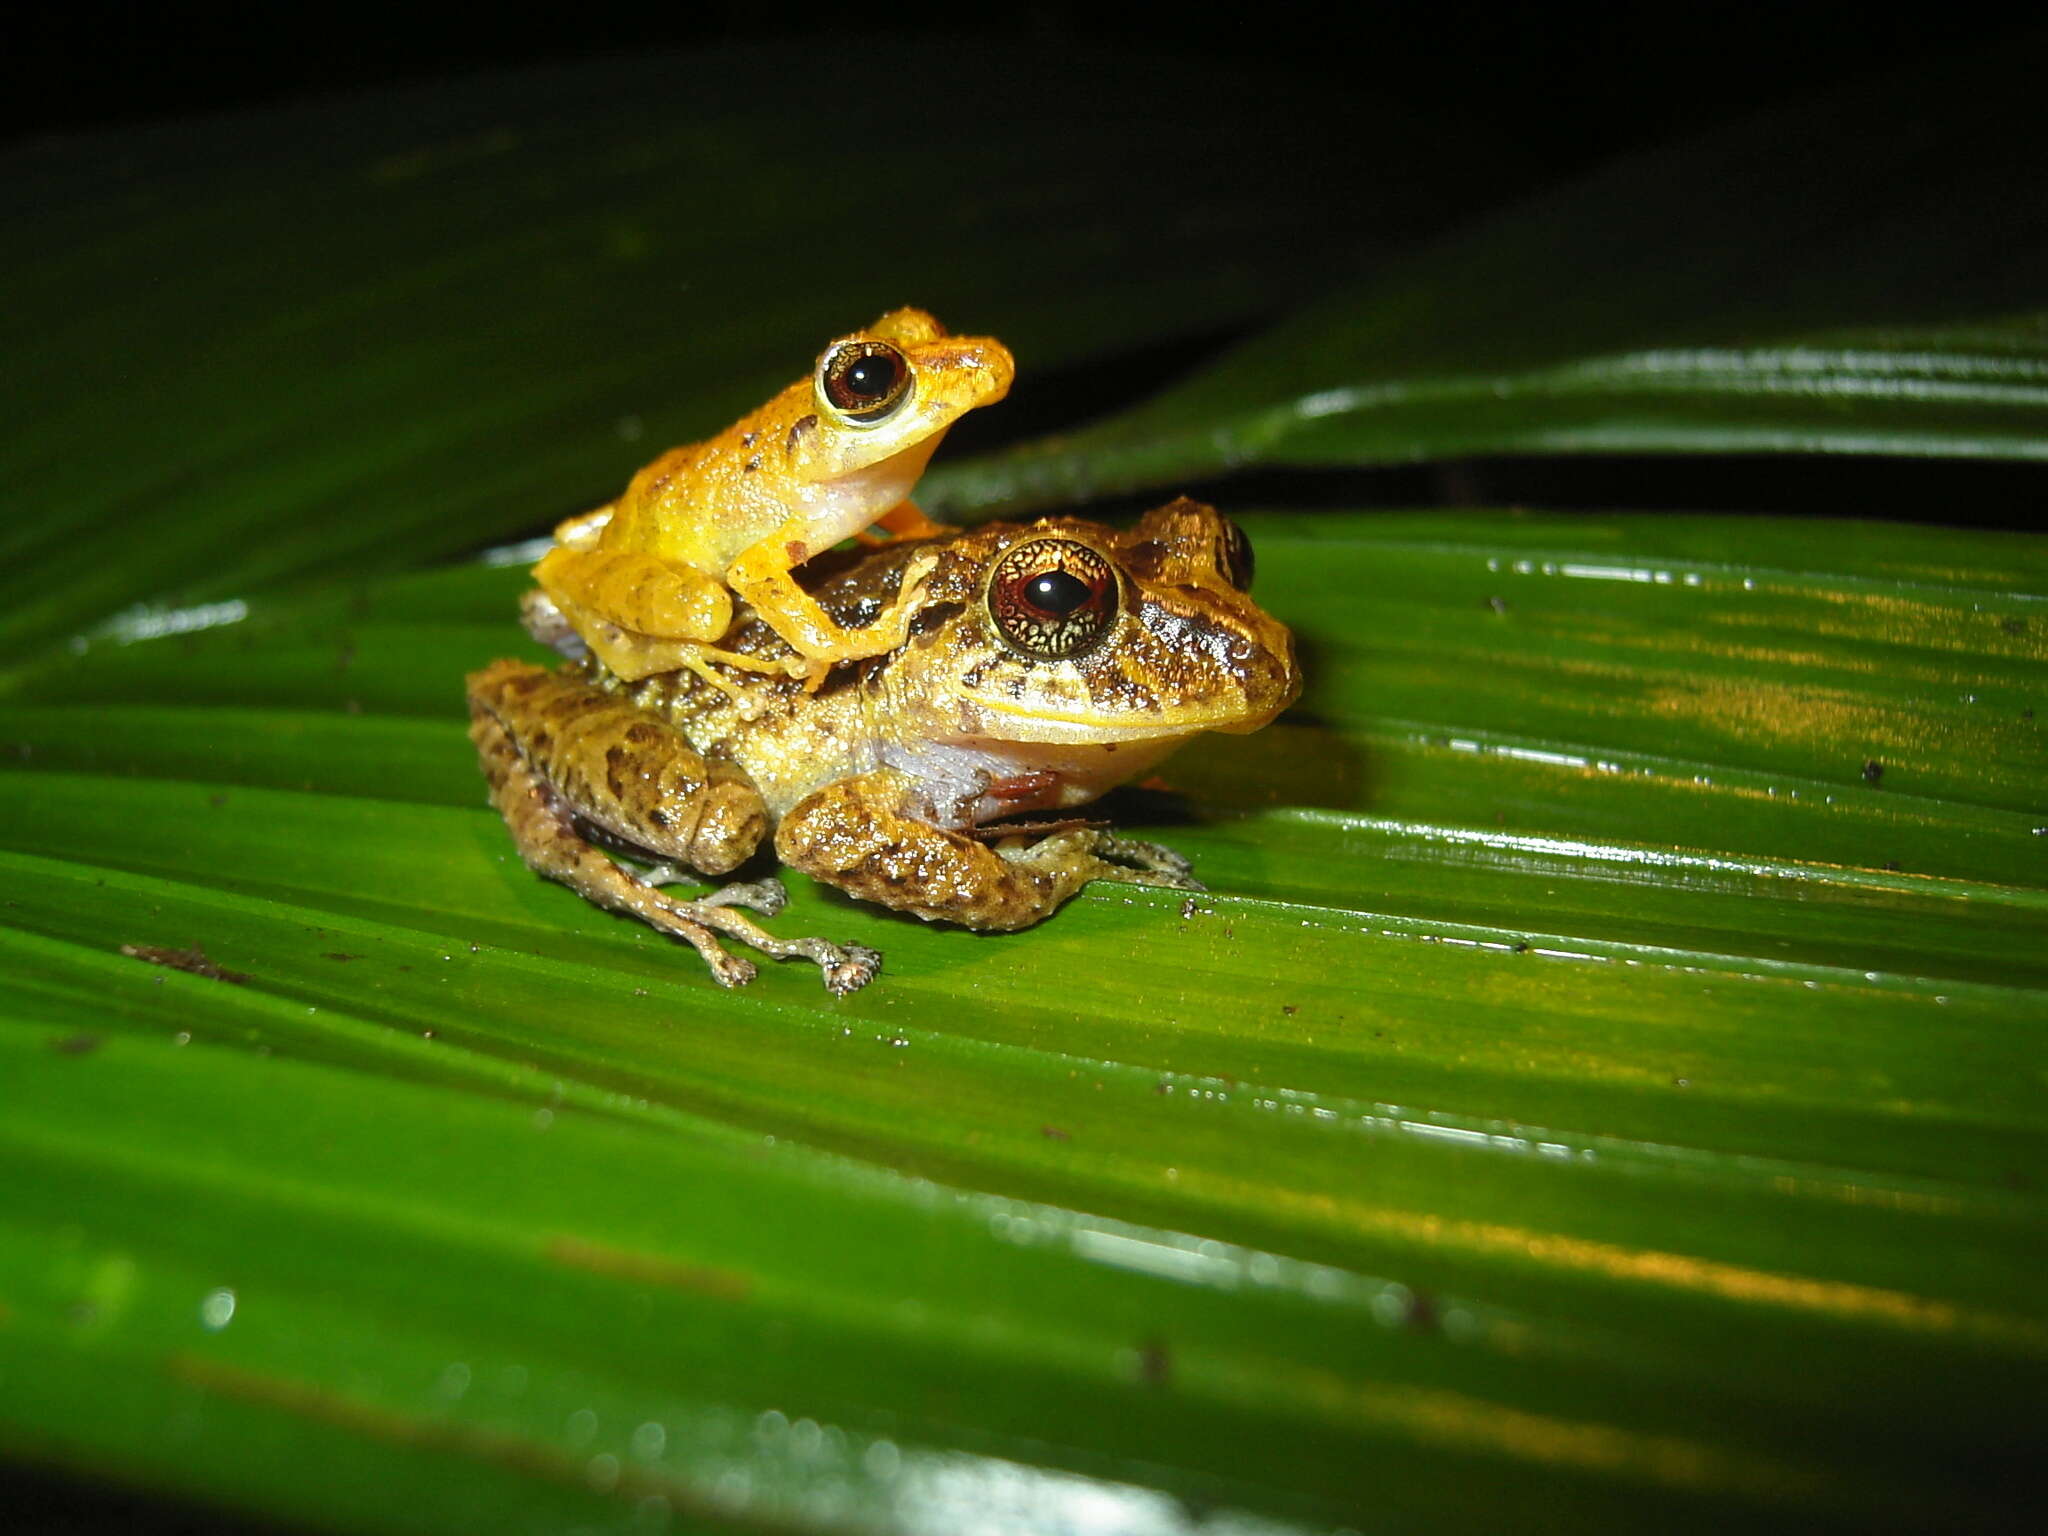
point(1556, 86)
point(1537, 93)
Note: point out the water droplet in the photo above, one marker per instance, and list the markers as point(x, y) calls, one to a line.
point(882, 1460)
point(582, 1428)
point(602, 1473)
point(454, 1380)
point(1391, 1305)
point(217, 1309)
point(649, 1441)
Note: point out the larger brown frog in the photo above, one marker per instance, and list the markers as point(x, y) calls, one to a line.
point(1044, 665)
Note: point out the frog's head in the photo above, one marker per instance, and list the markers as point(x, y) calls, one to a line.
point(859, 431)
point(1069, 634)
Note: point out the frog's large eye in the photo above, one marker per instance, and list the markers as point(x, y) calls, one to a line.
point(1051, 598)
point(1234, 556)
point(863, 381)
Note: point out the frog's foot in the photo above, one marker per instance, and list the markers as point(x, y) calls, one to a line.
point(845, 967)
point(766, 897)
point(1100, 855)
point(550, 626)
point(819, 640)
point(581, 531)
point(1150, 863)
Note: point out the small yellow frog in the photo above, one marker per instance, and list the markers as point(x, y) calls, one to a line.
point(648, 581)
point(1042, 665)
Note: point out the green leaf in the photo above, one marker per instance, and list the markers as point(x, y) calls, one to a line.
point(1556, 1055)
point(1861, 275)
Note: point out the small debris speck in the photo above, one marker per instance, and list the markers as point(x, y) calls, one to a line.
point(193, 960)
point(1873, 770)
point(75, 1045)
point(1290, 1009)
point(1155, 1363)
point(1053, 1133)
point(336, 954)
point(1420, 1314)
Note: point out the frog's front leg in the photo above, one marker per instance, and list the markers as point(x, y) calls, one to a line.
point(762, 576)
point(859, 834)
point(555, 749)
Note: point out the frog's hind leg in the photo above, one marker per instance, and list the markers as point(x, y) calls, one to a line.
point(860, 834)
point(1153, 863)
point(556, 751)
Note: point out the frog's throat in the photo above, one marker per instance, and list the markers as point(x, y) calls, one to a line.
point(974, 780)
point(843, 505)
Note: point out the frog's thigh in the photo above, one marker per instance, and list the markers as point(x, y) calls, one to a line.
point(621, 769)
point(637, 591)
point(509, 717)
point(853, 834)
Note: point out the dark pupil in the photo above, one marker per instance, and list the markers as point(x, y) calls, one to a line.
point(1057, 592)
point(870, 378)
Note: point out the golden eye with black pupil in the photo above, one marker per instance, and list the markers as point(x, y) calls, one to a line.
point(1234, 557)
point(1051, 598)
point(863, 381)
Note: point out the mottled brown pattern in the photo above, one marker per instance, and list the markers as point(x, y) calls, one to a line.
point(539, 816)
point(637, 778)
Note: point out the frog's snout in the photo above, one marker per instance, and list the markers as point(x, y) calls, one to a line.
point(987, 359)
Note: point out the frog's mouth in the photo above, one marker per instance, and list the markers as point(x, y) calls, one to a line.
point(1036, 722)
